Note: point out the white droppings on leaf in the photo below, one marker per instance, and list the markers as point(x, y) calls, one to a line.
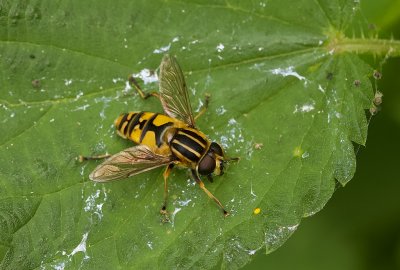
point(251, 189)
point(190, 183)
point(289, 71)
point(236, 245)
point(106, 103)
point(83, 169)
point(274, 237)
point(67, 82)
point(193, 90)
point(59, 266)
point(162, 49)
point(308, 107)
point(80, 94)
point(81, 108)
point(321, 89)
point(51, 120)
point(143, 185)
point(184, 203)
point(231, 122)
point(125, 45)
point(221, 110)
point(102, 114)
point(252, 252)
point(4, 107)
point(305, 155)
point(175, 39)
point(93, 205)
point(146, 75)
point(232, 136)
point(199, 106)
point(220, 47)
point(115, 80)
point(81, 247)
point(173, 215)
point(90, 201)
point(257, 66)
point(150, 245)
point(127, 87)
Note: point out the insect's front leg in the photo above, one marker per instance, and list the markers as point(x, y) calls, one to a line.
point(143, 95)
point(83, 158)
point(210, 178)
point(163, 210)
point(201, 185)
point(203, 108)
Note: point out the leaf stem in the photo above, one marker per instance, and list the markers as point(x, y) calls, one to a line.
point(341, 44)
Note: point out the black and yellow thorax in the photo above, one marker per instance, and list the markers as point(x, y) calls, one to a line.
point(164, 135)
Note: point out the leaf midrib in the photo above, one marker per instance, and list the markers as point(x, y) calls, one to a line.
point(223, 66)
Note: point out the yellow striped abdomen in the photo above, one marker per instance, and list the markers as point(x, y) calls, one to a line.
point(147, 128)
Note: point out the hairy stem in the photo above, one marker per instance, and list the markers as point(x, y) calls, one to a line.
point(340, 44)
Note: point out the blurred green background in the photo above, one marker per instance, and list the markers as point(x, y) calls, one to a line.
point(359, 228)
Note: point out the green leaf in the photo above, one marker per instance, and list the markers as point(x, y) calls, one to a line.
point(288, 97)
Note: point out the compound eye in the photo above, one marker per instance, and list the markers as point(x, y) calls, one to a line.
point(217, 149)
point(206, 165)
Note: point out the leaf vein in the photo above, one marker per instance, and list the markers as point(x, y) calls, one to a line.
point(26, 129)
point(22, 42)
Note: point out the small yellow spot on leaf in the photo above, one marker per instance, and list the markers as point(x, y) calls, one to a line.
point(257, 211)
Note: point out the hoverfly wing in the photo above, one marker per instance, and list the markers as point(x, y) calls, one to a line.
point(173, 91)
point(129, 162)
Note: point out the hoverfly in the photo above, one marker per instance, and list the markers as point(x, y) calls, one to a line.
point(164, 139)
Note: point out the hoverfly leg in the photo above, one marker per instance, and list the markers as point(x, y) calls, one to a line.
point(83, 158)
point(136, 85)
point(201, 185)
point(203, 108)
point(163, 210)
point(229, 159)
point(209, 177)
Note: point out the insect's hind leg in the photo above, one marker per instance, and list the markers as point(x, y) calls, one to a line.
point(83, 158)
point(203, 108)
point(136, 85)
point(166, 174)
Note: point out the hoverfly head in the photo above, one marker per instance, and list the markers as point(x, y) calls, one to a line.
point(213, 161)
